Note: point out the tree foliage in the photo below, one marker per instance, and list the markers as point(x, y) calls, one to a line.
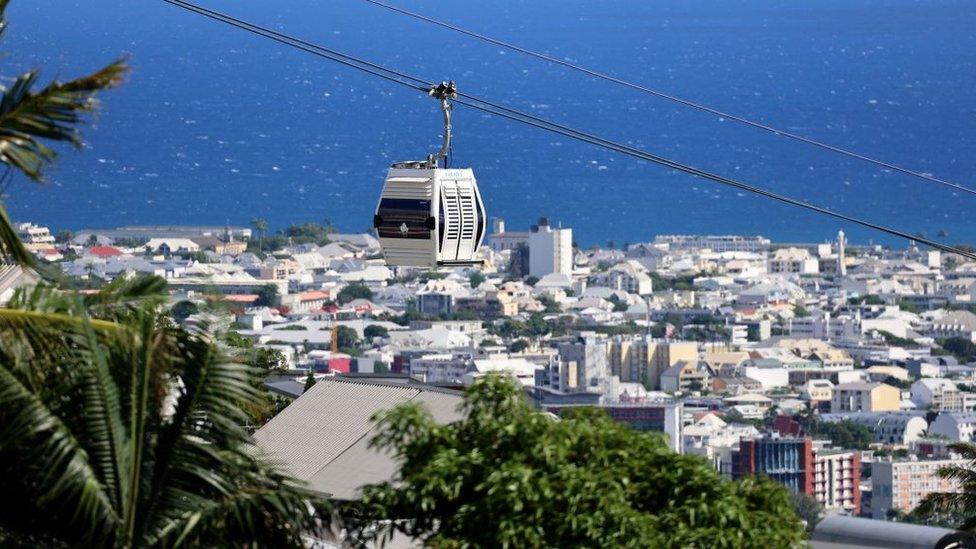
point(960, 347)
point(844, 434)
point(508, 476)
point(374, 331)
point(267, 296)
point(354, 291)
point(119, 429)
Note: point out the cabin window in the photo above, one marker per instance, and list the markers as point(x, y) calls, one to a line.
point(403, 218)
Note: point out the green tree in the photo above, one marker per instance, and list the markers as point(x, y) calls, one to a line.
point(476, 279)
point(960, 347)
point(518, 346)
point(799, 311)
point(183, 309)
point(374, 331)
point(121, 430)
point(30, 117)
point(354, 291)
point(309, 380)
point(261, 227)
point(960, 504)
point(64, 236)
point(509, 476)
point(348, 340)
point(267, 361)
point(267, 296)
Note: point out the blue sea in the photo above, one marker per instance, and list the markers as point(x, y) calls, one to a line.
point(215, 125)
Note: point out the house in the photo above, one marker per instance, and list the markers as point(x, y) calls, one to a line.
point(684, 376)
point(954, 425)
point(103, 251)
point(629, 276)
point(167, 246)
point(865, 397)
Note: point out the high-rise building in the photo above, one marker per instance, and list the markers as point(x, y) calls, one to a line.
point(550, 250)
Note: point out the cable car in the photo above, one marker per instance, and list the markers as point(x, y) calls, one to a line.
point(429, 216)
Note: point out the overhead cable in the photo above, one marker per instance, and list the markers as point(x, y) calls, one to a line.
point(419, 84)
point(686, 102)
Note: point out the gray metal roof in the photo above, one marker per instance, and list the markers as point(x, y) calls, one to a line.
point(863, 532)
point(322, 437)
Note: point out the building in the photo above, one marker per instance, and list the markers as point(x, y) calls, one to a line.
point(788, 461)
point(685, 376)
point(583, 365)
point(662, 417)
point(903, 484)
point(841, 254)
point(631, 277)
point(865, 397)
point(938, 394)
point(441, 368)
point(718, 244)
point(954, 425)
point(550, 250)
point(322, 438)
point(35, 237)
point(895, 428)
point(793, 261)
point(501, 240)
point(643, 359)
point(953, 324)
point(837, 479)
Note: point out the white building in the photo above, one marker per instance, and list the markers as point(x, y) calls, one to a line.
point(631, 277)
point(550, 250)
point(793, 261)
point(722, 243)
point(937, 394)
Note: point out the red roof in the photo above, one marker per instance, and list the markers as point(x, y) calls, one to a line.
point(104, 251)
point(313, 296)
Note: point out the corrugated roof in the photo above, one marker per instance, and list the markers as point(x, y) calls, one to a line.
point(323, 437)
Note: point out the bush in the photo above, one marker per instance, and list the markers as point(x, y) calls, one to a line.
point(354, 291)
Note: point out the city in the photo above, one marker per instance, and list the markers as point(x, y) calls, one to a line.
point(358, 274)
point(842, 371)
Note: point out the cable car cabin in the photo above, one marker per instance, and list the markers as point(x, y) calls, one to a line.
point(430, 217)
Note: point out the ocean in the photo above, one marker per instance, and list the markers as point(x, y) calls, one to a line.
point(215, 125)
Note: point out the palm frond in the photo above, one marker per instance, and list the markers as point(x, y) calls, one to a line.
point(63, 492)
point(11, 248)
point(54, 113)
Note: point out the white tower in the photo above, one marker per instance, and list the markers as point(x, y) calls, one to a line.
point(841, 242)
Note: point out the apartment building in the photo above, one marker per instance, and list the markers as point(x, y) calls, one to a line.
point(643, 360)
point(865, 397)
point(904, 484)
point(550, 250)
point(837, 479)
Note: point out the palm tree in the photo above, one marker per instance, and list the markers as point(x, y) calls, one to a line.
point(260, 226)
point(119, 429)
point(961, 504)
point(29, 117)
